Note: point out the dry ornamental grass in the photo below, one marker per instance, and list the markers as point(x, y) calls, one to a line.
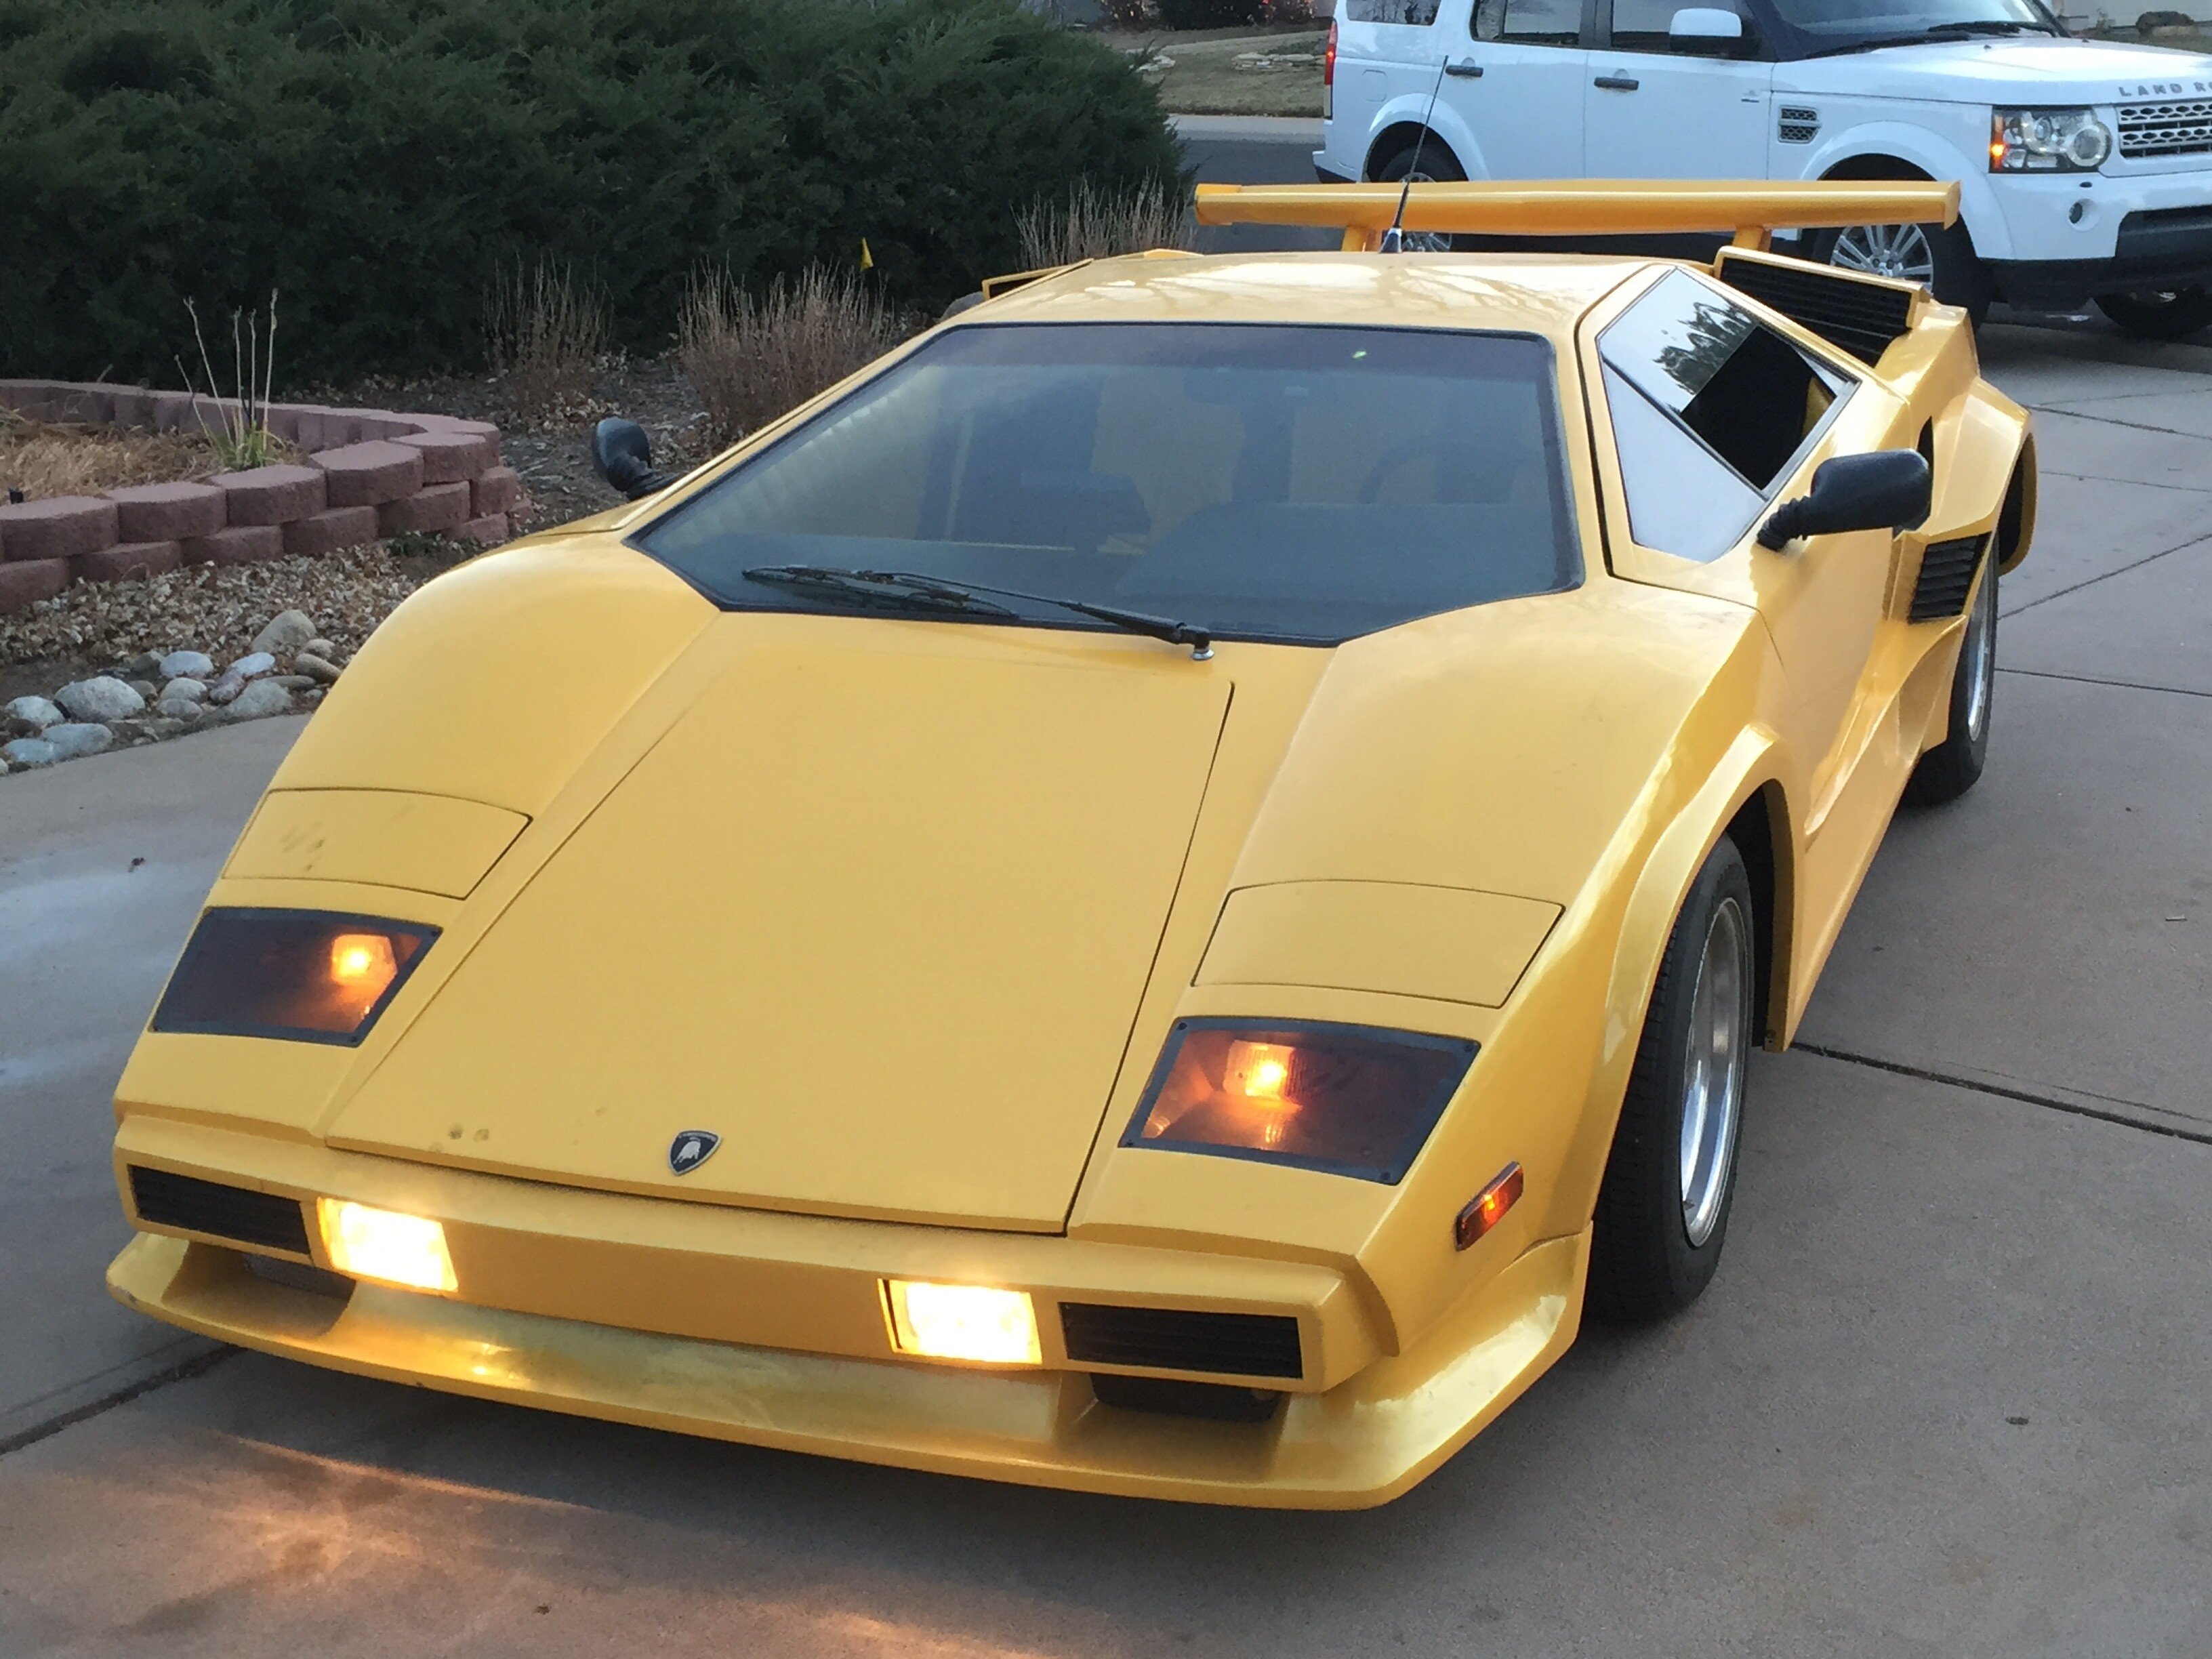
point(43, 459)
point(544, 333)
point(1097, 224)
point(751, 359)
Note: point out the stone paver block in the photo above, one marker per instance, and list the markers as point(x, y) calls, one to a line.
point(57, 527)
point(451, 457)
point(247, 544)
point(497, 491)
point(369, 474)
point(26, 581)
point(330, 532)
point(489, 530)
point(440, 506)
point(166, 511)
point(127, 561)
point(271, 495)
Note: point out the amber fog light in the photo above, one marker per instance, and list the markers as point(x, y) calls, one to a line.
point(306, 975)
point(1349, 1099)
point(977, 1322)
point(365, 1243)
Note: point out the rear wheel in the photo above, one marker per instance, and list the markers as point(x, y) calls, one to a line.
point(2159, 313)
point(1950, 768)
point(1434, 165)
point(1942, 258)
point(1662, 1212)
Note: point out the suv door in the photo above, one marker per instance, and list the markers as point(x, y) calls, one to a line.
point(1523, 100)
point(1653, 110)
point(1386, 51)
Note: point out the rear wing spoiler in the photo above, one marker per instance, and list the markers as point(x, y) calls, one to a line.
point(1749, 210)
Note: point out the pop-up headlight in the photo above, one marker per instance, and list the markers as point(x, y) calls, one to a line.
point(1351, 1099)
point(308, 976)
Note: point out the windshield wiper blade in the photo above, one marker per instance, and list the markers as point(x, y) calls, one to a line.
point(874, 586)
point(1984, 26)
point(1200, 640)
point(1934, 32)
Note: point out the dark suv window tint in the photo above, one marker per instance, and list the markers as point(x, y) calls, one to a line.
point(1530, 22)
point(1711, 410)
point(1419, 12)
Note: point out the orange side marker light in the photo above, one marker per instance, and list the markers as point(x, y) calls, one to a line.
point(1488, 1207)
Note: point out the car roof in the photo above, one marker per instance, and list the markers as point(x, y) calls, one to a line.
point(1521, 293)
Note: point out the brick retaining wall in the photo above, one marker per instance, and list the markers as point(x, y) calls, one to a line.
point(370, 473)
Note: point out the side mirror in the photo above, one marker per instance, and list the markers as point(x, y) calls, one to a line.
point(623, 455)
point(1709, 29)
point(1889, 489)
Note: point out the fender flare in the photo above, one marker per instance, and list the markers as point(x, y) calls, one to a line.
point(1979, 210)
point(1443, 122)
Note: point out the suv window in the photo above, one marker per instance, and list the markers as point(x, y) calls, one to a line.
point(1642, 25)
point(1711, 410)
point(1419, 12)
point(1530, 22)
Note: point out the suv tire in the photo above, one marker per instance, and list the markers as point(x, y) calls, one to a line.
point(1438, 166)
point(2155, 314)
point(1941, 256)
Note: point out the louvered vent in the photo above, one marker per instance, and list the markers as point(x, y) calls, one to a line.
point(1181, 1339)
point(1947, 574)
point(1862, 318)
point(190, 1205)
point(1796, 124)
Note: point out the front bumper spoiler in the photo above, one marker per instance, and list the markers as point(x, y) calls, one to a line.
point(1359, 1443)
point(2165, 248)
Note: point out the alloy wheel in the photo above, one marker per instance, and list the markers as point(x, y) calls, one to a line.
point(1712, 1091)
point(1901, 251)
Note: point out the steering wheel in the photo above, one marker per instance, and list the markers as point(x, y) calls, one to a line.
point(1398, 455)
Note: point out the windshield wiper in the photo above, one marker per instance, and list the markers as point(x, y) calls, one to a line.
point(1934, 32)
point(1135, 621)
point(874, 587)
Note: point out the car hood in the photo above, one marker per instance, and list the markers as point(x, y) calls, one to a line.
point(2026, 69)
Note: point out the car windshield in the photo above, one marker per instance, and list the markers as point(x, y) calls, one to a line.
point(1262, 481)
point(1829, 25)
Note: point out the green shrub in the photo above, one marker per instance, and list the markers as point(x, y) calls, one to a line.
point(378, 160)
point(1210, 14)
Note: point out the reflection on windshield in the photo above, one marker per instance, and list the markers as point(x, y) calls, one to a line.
point(1885, 19)
point(1303, 483)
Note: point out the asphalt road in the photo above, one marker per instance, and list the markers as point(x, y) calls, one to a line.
point(1947, 1395)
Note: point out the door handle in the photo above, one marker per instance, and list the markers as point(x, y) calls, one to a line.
point(1470, 70)
point(1617, 83)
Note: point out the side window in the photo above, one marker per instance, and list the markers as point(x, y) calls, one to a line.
point(1530, 22)
point(1712, 410)
point(1643, 25)
point(1419, 12)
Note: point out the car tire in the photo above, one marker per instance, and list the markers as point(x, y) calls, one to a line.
point(1662, 1211)
point(2168, 314)
point(1949, 769)
point(1438, 166)
point(1943, 257)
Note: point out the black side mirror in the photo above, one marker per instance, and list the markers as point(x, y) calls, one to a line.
point(1889, 489)
point(623, 455)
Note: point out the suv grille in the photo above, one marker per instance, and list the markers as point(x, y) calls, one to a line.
point(1180, 1339)
point(1861, 317)
point(2170, 129)
point(1794, 124)
point(193, 1205)
point(1946, 571)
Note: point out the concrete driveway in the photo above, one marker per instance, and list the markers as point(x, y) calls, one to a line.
point(1948, 1395)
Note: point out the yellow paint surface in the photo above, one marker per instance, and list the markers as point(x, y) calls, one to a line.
point(428, 843)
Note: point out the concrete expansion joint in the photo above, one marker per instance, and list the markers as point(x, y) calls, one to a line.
point(2027, 1097)
point(183, 1371)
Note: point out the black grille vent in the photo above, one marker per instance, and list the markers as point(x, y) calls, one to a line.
point(1179, 1339)
point(205, 1207)
point(1794, 124)
point(1947, 573)
point(1862, 318)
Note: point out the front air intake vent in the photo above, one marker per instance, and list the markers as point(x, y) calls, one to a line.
point(190, 1204)
point(1795, 123)
point(1947, 576)
point(1181, 1339)
point(2183, 127)
point(1861, 317)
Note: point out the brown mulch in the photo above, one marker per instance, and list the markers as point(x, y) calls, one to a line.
point(45, 458)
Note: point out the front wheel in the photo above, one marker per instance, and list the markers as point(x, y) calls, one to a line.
point(1940, 257)
point(1950, 768)
point(2159, 313)
point(1662, 1212)
point(1432, 164)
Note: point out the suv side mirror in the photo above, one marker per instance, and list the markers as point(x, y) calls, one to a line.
point(1889, 489)
point(623, 455)
point(1707, 30)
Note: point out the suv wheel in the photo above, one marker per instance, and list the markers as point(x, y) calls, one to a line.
point(1438, 166)
point(1941, 258)
point(2159, 313)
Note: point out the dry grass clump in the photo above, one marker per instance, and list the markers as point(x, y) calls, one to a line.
point(45, 458)
point(752, 359)
point(240, 432)
point(545, 332)
point(1097, 224)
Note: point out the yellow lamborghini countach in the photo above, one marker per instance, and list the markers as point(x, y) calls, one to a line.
point(1152, 894)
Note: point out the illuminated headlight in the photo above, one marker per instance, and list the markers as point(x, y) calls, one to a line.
point(962, 1322)
point(1349, 1099)
point(392, 1249)
point(2047, 141)
point(305, 975)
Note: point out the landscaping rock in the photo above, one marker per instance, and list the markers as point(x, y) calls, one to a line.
point(24, 582)
point(187, 665)
point(73, 738)
point(433, 508)
point(254, 662)
point(315, 669)
point(103, 697)
point(253, 543)
point(327, 533)
point(287, 633)
point(138, 731)
point(127, 562)
point(166, 511)
point(186, 689)
point(319, 646)
point(144, 667)
point(453, 457)
point(146, 689)
point(271, 495)
point(38, 712)
point(262, 697)
point(57, 527)
point(185, 711)
point(486, 531)
point(28, 752)
point(495, 491)
point(370, 474)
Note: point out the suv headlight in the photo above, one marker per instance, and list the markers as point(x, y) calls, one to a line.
point(2047, 141)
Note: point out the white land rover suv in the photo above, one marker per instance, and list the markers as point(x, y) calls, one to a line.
point(2085, 167)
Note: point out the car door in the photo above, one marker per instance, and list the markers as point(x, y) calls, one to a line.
point(1652, 109)
point(1519, 86)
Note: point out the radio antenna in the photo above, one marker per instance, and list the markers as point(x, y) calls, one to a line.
point(1393, 240)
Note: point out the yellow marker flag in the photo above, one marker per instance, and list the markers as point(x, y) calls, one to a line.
point(867, 259)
